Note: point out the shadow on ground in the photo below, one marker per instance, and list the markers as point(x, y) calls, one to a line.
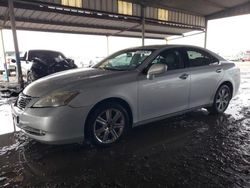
point(188, 151)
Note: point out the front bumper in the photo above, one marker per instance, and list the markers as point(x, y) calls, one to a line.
point(59, 125)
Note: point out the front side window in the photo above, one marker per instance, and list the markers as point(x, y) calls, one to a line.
point(198, 58)
point(171, 58)
point(125, 61)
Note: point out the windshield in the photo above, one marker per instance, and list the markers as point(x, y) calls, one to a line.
point(47, 56)
point(125, 61)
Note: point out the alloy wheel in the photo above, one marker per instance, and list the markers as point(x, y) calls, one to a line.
point(109, 125)
point(222, 99)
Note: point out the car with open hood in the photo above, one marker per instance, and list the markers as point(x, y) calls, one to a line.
point(36, 64)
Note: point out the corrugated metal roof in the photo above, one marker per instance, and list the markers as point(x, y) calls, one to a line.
point(204, 8)
point(60, 19)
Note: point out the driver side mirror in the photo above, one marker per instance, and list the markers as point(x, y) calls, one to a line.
point(215, 63)
point(156, 69)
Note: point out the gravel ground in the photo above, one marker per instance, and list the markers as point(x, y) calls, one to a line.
point(192, 150)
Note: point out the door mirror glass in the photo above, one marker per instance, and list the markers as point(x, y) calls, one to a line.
point(156, 69)
point(215, 63)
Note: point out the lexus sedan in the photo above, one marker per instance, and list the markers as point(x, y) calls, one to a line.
point(129, 88)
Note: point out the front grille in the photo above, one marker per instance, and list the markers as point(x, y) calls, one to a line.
point(23, 101)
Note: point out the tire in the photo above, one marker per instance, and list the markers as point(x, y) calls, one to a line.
point(221, 100)
point(106, 124)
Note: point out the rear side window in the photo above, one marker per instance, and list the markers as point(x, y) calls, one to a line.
point(198, 58)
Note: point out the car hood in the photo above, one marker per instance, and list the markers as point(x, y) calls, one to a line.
point(66, 80)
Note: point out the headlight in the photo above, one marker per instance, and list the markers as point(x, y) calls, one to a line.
point(55, 99)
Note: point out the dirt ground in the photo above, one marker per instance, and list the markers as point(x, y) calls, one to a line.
point(192, 150)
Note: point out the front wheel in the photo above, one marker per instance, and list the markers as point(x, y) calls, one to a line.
point(221, 100)
point(107, 123)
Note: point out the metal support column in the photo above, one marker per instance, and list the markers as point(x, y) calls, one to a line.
point(143, 24)
point(2, 54)
point(166, 39)
point(107, 45)
point(205, 39)
point(13, 28)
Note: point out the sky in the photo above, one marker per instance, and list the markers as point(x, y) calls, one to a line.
point(227, 36)
point(72, 45)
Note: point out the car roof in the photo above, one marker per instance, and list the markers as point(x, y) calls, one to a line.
point(169, 46)
point(156, 47)
point(37, 50)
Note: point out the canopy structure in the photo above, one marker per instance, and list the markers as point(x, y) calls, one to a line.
point(156, 19)
point(161, 18)
point(210, 9)
point(58, 16)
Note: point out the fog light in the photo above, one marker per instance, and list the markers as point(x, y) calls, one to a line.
point(33, 131)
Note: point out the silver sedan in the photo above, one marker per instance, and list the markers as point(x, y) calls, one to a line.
point(129, 88)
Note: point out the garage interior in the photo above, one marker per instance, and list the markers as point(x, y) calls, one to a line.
point(196, 149)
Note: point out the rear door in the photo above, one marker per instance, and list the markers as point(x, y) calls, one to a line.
point(205, 72)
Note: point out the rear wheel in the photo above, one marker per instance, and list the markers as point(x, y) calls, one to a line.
point(107, 123)
point(221, 100)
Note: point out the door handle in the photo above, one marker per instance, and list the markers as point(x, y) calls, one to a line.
point(183, 76)
point(218, 70)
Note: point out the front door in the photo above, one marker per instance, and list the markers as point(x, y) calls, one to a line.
point(166, 93)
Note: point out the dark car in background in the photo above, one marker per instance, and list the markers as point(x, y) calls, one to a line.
point(39, 63)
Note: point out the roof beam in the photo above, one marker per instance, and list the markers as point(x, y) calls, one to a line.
point(127, 29)
point(80, 32)
point(56, 23)
point(118, 29)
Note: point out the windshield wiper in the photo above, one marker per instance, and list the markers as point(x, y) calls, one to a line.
point(112, 69)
